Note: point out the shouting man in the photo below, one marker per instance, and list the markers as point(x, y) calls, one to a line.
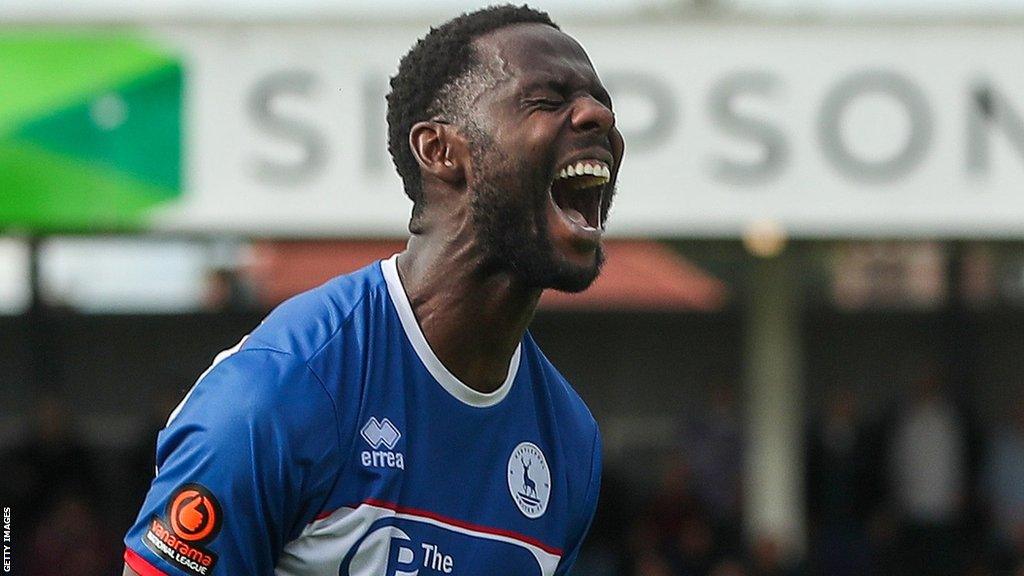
point(400, 419)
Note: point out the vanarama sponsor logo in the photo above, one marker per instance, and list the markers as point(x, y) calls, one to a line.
point(195, 517)
point(191, 558)
point(194, 514)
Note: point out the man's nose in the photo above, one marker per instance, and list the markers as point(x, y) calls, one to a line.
point(590, 114)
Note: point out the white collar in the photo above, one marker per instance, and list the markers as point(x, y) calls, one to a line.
point(446, 379)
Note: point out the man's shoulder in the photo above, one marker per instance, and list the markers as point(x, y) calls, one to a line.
point(303, 324)
point(254, 390)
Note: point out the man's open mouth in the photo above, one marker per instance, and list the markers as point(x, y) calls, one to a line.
point(578, 190)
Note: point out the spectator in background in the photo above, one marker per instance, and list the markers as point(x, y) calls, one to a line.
point(839, 482)
point(72, 537)
point(1003, 487)
point(651, 564)
point(766, 559)
point(607, 542)
point(673, 502)
point(673, 530)
point(645, 544)
point(50, 480)
point(696, 551)
point(729, 567)
point(712, 443)
point(51, 464)
point(928, 468)
point(226, 291)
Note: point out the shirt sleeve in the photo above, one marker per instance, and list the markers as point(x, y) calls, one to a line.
point(587, 515)
point(243, 465)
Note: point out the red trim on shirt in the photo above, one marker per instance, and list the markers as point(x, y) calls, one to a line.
point(454, 522)
point(140, 564)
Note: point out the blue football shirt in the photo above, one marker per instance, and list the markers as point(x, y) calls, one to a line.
point(332, 441)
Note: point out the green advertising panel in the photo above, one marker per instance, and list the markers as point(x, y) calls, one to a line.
point(90, 130)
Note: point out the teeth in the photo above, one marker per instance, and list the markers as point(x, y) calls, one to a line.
point(592, 168)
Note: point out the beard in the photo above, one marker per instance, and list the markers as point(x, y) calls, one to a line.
point(510, 216)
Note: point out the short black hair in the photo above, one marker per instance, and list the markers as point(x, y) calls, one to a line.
point(436, 61)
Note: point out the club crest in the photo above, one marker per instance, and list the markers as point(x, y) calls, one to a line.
point(529, 479)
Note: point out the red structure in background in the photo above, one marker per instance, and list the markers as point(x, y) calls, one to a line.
point(645, 275)
point(638, 275)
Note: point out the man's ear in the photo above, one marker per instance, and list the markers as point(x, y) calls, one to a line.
point(440, 151)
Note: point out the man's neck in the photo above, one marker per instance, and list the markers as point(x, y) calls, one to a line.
point(472, 319)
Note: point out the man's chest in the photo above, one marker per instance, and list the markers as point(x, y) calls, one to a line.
point(429, 488)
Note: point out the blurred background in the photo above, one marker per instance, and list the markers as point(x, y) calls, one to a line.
point(806, 352)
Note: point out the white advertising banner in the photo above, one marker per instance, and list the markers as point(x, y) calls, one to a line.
point(827, 131)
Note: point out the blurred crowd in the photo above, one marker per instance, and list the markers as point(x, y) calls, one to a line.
point(920, 488)
point(72, 502)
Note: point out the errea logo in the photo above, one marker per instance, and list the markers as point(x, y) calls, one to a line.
point(379, 434)
point(384, 432)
